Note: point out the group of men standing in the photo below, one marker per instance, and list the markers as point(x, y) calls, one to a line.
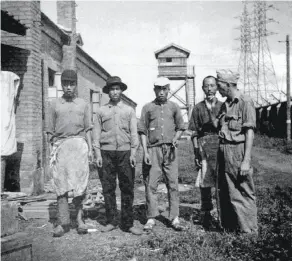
point(222, 136)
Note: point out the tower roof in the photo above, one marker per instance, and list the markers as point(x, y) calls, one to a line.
point(187, 52)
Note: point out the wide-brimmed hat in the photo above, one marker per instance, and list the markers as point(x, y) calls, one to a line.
point(161, 81)
point(228, 76)
point(113, 80)
point(69, 75)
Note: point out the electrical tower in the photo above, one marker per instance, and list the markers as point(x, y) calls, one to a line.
point(257, 72)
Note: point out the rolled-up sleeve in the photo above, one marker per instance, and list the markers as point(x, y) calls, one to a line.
point(248, 115)
point(178, 119)
point(87, 118)
point(51, 124)
point(97, 131)
point(142, 125)
point(133, 130)
point(193, 124)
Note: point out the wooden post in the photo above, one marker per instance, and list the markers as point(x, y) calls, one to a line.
point(194, 86)
point(288, 91)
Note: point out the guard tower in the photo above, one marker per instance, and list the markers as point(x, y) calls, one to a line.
point(172, 63)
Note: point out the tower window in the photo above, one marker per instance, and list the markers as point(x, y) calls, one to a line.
point(168, 60)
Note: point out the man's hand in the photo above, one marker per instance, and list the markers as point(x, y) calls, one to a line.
point(147, 159)
point(244, 168)
point(174, 143)
point(209, 106)
point(198, 158)
point(133, 161)
point(99, 161)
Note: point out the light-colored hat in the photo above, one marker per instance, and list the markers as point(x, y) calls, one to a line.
point(227, 75)
point(161, 81)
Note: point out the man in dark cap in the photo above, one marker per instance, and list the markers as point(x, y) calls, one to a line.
point(69, 132)
point(115, 142)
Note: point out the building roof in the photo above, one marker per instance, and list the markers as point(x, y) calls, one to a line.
point(79, 49)
point(187, 52)
point(11, 25)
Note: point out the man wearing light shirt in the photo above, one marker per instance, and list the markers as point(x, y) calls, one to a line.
point(115, 142)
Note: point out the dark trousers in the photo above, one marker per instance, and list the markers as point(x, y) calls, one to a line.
point(3, 171)
point(118, 163)
point(206, 199)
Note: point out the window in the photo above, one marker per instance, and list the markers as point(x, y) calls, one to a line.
point(51, 76)
point(168, 60)
point(95, 98)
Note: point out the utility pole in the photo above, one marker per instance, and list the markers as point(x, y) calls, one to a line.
point(288, 90)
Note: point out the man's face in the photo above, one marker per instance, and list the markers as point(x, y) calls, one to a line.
point(69, 88)
point(210, 87)
point(115, 92)
point(223, 89)
point(161, 92)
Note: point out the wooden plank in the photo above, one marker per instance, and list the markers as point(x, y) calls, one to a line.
point(16, 247)
point(9, 221)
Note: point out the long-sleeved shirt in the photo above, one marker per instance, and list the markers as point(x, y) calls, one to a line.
point(160, 122)
point(236, 116)
point(115, 128)
point(200, 122)
point(69, 118)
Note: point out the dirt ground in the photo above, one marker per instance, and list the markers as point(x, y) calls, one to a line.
point(272, 167)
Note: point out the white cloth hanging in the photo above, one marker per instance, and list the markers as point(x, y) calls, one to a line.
point(9, 88)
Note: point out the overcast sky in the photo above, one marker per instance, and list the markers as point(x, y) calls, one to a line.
point(123, 36)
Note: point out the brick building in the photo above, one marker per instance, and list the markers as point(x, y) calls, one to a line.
point(37, 56)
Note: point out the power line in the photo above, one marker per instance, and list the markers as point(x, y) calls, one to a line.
point(255, 65)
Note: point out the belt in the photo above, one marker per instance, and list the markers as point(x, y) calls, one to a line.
point(206, 133)
point(223, 141)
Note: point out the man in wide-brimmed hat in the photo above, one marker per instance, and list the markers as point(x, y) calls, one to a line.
point(160, 126)
point(69, 132)
point(237, 121)
point(115, 142)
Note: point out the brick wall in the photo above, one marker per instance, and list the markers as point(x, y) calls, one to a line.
point(29, 109)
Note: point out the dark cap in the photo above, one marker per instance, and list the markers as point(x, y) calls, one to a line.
point(69, 75)
point(112, 81)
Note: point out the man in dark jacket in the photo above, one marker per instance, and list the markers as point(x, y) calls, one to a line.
point(205, 143)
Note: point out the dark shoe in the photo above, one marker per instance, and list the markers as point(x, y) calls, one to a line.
point(66, 228)
point(108, 228)
point(82, 229)
point(135, 231)
point(206, 219)
point(58, 231)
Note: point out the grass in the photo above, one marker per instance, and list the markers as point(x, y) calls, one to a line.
point(274, 201)
point(274, 215)
point(266, 142)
